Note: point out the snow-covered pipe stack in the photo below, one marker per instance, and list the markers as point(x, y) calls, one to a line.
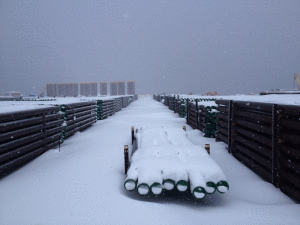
point(207, 116)
point(192, 114)
point(166, 160)
point(171, 103)
point(202, 115)
point(266, 138)
point(118, 104)
point(106, 108)
point(126, 101)
point(135, 97)
point(223, 121)
point(182, 108)
point(26, 134)
point(289, 150)
point(78, 116)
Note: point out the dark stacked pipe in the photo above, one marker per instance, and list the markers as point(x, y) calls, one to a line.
point(289, 150)
point(266, 138)
point(223, 120)
point(192, 114)
point(207, 120)
point(78, 116)
point(106, 108)
point(27, 134)
point(118, 104)
point(182, 108)
point(126, 101)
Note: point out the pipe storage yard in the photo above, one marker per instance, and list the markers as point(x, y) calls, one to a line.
point(81, 181)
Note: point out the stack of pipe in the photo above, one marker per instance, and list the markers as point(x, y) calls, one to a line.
point(26, 134)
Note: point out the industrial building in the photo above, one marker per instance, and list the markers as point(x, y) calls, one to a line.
point(66, 90)
point(62, 89)
point(94, 88)
point(113, 88)
point(88, 89)
point(130, 87)
point(121, 88)
point(51, 89)
point(215, 93)
point(85, 89)
point(13, 94)
point(75, 89)
point(103, 88)
point(72, 89)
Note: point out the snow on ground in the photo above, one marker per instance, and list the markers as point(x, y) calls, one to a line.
point(83, 183)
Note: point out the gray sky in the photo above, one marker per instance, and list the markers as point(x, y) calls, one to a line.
point(236, 46)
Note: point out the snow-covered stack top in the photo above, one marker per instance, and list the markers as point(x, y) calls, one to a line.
point(284, 99)
point(165, 148)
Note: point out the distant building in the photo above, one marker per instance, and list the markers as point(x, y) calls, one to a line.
point(51, 89)
point(121, 88)
point(103, 88)
point(62, 89)
point(72, 89)
point(130, 87)
point(82, 89)
point(211, 93)
point(113, 88)
point(13, 94)
point(94, 88)
point(69, 90)
point(85, 89)
point(75, 89)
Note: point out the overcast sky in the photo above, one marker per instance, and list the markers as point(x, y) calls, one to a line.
point(234, 46)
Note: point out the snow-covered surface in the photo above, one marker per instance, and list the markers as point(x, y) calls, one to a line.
point(287, 99)
point(83, 183)
point(13, 106)
point(207, 103)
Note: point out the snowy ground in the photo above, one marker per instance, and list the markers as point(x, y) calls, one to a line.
point(83, 183)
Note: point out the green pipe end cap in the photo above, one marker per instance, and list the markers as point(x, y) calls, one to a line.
point(182, 185)
point(222, 186)
point(156, 188)
point(169, 184)
point(130, 185)
point(143, 189)
point(210, 187)
point(199, 192)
